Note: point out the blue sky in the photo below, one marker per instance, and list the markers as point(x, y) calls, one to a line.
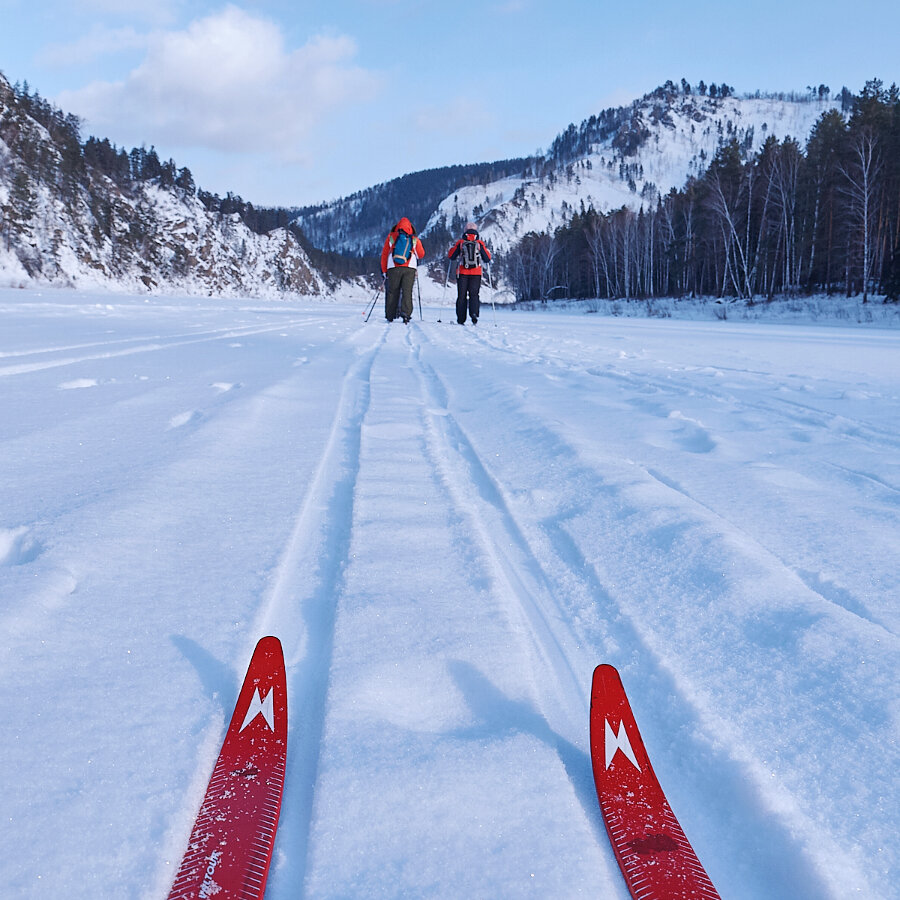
point(292, 103)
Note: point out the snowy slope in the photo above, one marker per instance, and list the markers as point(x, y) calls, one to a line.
point(448, 528)
point(186, 249)
point(623, 157)
point(676, 136)
point(91, 232)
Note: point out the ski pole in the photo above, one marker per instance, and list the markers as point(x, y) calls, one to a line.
point(372, 307)
point(444, 292)
point(419, 289)
point(491, 286)
point(374, 301)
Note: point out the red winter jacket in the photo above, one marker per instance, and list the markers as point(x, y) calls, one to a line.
point(387, 258)
point(456, 250)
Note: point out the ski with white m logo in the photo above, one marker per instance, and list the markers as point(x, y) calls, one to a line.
point(230, 848)
point(653, 853)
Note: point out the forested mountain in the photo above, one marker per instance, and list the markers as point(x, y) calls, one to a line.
point(86, 213)
point(575, 220)
point(815, 211)
point(357, 224)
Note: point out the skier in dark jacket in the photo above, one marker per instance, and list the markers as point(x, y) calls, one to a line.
point(470, 250)
point(399, 260)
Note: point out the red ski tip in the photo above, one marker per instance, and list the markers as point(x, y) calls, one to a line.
point(230, 848)
point(655, 857)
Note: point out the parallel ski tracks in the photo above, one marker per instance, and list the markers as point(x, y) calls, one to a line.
point(775, 408)
point(563, 581)
point(517, 567)
point(132, 346)
point(301, 607)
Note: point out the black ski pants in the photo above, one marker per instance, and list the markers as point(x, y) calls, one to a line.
point(400, 281)
point(468, 288)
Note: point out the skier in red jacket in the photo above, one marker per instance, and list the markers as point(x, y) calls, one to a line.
point(470, 250)
point(399, 260)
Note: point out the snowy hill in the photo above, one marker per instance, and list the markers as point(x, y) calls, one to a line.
point(357, 224)
point(626, 156)
point(658, 143)
point(67, 222)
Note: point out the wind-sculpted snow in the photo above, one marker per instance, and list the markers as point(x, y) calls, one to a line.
point(448, 528)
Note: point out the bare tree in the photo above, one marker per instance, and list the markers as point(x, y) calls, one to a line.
point(784, 177)
point(861, 175)
point(735, 260)
point(595, 239)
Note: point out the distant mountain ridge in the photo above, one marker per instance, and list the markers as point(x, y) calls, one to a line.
point(624, 156)
point(356, 224)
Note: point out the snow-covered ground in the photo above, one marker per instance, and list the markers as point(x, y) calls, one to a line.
point(448, 528)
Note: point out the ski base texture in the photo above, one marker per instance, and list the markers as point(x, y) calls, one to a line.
point(230, 848)
point(655, 857)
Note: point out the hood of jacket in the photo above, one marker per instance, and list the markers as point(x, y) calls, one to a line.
point(404, 225)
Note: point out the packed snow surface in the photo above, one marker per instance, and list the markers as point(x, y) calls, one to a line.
point(448, 528)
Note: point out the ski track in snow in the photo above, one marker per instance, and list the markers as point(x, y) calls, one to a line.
point(559, 690)
point(448, 528)
point(308, 579)
point(165, 344)
point(575, 575)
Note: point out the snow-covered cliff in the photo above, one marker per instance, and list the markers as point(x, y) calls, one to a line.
point(65, 222)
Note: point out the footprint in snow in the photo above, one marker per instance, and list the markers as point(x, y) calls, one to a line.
point(693, 435)
point(18, 546)
point(185, 418)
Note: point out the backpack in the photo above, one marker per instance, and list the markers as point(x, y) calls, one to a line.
point(471, 254)
point(403, 248)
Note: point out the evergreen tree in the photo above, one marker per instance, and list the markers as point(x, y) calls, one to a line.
point(891, 283)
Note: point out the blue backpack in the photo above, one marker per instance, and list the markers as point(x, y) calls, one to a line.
point(403, 248)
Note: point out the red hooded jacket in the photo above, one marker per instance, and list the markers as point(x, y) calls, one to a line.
point(387, 258)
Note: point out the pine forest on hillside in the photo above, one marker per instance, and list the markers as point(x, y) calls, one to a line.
point(783, 221)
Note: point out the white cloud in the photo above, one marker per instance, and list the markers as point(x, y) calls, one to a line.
point(227, 82)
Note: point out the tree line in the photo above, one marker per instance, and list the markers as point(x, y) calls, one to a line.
point(786, 220)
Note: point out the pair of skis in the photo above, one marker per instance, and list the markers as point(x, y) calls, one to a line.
point(230, 849)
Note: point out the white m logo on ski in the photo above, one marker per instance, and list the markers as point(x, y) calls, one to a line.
point(613, 742)
point(261, 707)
